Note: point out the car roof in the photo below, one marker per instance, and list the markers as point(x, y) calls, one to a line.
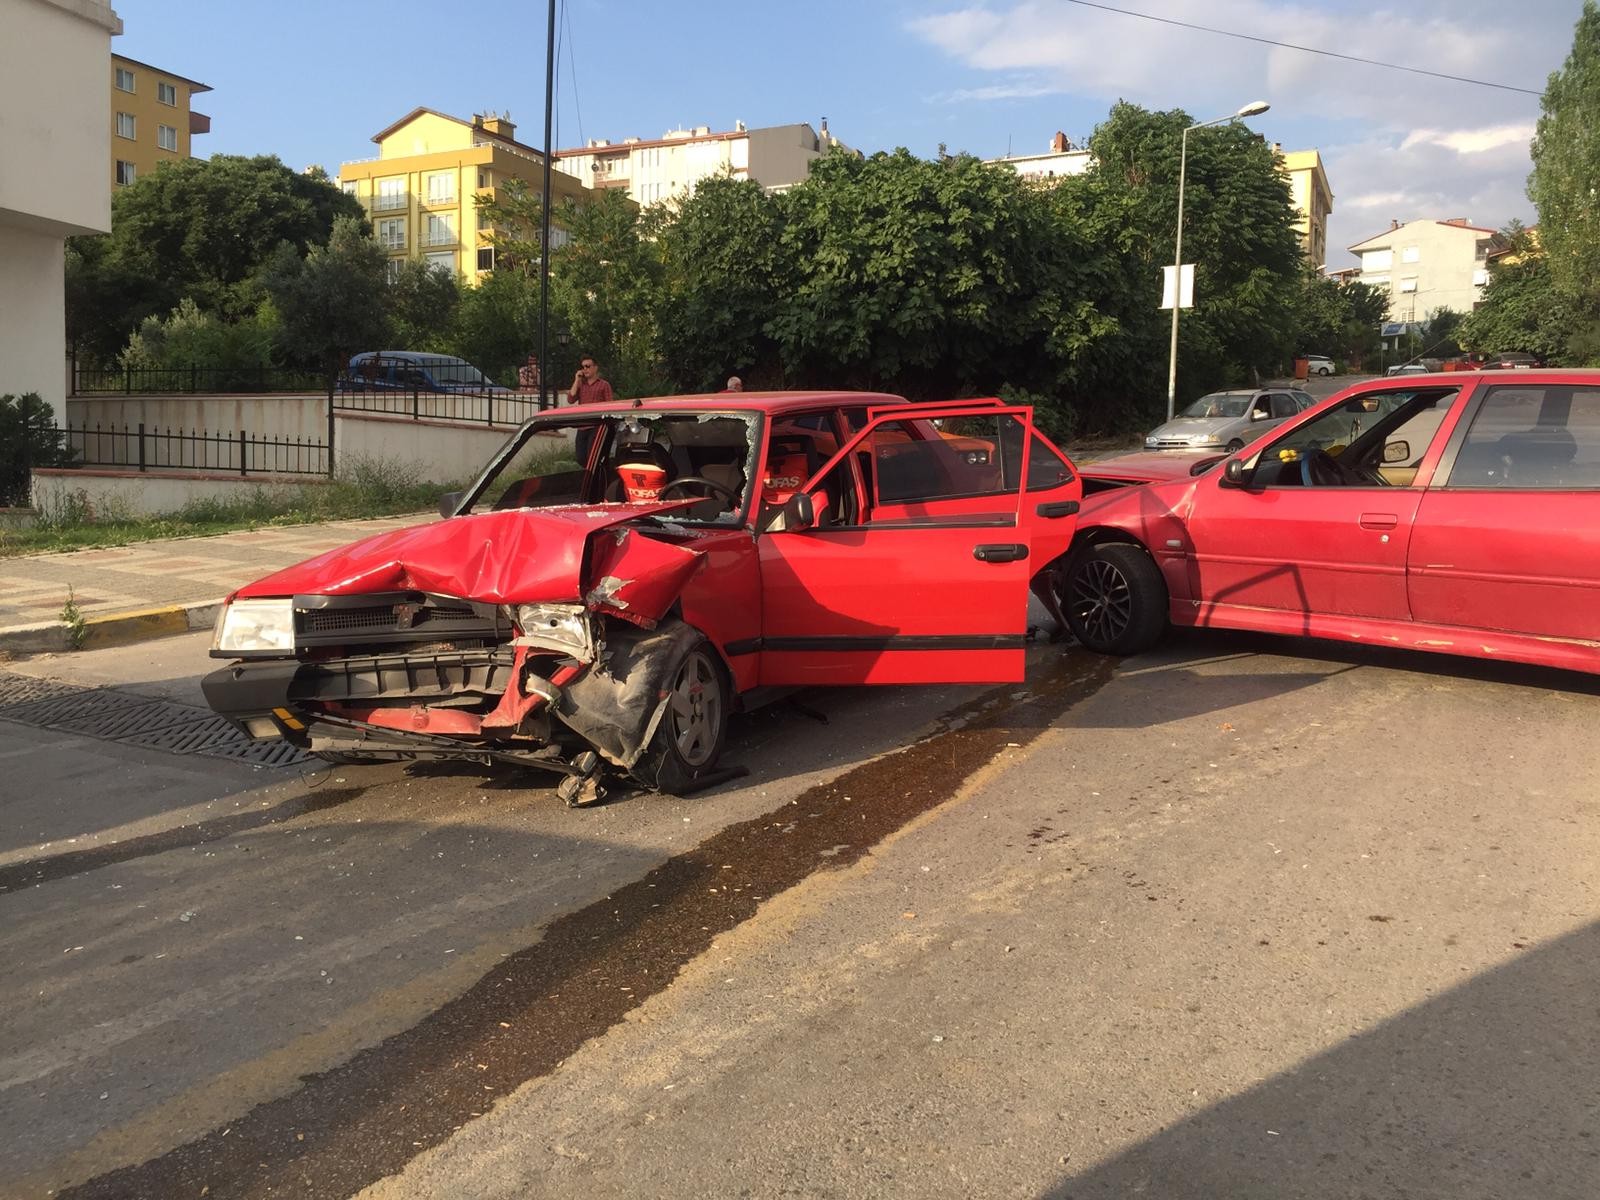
point(1580, 376)
point(415, 356)
point(767, 402)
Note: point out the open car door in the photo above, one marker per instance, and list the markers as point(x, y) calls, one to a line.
point(903, 560)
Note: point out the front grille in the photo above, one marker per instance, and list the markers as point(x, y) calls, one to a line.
point(394, 617)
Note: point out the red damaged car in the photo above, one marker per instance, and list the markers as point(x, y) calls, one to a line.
point(1452, 513)
point(621, 577)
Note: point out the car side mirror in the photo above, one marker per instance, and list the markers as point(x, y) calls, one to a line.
point(448, 502)
point(1235, 472)
point(799, 512)
point(1397, 452)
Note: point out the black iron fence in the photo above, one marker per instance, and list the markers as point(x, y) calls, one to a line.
point(147, 448)
point(488, 405)
point(130, 381)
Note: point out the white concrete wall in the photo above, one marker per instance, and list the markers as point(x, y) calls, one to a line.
point(149, 494)
point(55, 92)
point(440, 453)
point(33, 322)
point(55, 143)
point(261, 416)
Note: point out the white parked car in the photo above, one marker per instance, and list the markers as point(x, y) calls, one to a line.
point(1318, 364)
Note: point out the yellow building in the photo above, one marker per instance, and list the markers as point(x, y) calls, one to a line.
point(432, 169)
point(151, 118)
point(1313, 200)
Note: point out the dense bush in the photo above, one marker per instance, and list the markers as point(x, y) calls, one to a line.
point(28, 438)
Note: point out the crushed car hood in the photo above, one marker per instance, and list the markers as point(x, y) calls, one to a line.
point(584, 553)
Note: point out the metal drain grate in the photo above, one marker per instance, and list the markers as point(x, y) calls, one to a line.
point(24, 689)
point(132, 720)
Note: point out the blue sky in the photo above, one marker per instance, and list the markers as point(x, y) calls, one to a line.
point(312, 82)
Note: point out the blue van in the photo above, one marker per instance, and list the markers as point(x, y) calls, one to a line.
point(410, 371)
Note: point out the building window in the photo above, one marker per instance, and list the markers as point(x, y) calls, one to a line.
point(392, 233)
point(1411, 254)
point(126, 125)
point(350, 188)
point(391, 195)
point(485, 258)
point(1480, 277)
point(391, 269)
point(447, 260)
point(124, 172)
point(440, 231)
point(124, 79)
point(167, 93)
point(484, 222)
point(167, 137)
point(485, 180)
point(441, 187)
point(1408, 283)
point(1375, 280)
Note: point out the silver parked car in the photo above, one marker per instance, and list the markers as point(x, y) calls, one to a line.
point(1228, 419)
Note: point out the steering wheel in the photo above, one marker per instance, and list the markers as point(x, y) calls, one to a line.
point(1318, 468)
point(710, 485)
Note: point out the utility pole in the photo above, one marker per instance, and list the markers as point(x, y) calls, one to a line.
point(544, 206)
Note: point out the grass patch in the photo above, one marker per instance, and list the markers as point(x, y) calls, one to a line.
point(366, 488)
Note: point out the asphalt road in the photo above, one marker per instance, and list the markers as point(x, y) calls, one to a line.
point(1238, 918)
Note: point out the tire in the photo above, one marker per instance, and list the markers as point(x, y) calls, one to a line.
point(1324, 371)
point(688, 740)
point(1115, 598)
point(1235, 446)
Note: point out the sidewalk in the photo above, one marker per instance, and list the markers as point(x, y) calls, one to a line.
point(151, 589)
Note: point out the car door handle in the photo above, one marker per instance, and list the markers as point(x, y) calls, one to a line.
point(1000, 552)
point(1057, 508)
point(1379, 520)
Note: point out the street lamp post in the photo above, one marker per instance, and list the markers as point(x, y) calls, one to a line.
point(1249, 110)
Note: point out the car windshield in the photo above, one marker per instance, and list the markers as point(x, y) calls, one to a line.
point(637, 457)
point(455, 371)
point(1218, 404)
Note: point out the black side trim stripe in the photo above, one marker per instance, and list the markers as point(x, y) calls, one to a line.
point(912, 523)
point(932, 641)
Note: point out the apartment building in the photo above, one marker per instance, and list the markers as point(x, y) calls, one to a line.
point(1426, 265)
point(1061, 159)
point(776, 157)
point(423, 189)
point(53, 141)
point(1312, 197)
point(152, 118)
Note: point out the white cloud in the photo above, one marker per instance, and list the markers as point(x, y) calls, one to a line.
point(1472, 141)
point(1396, 145)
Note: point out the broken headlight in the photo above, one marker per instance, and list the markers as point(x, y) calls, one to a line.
point(567, 628)
point(254, 626)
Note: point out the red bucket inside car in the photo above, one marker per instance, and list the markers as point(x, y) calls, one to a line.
point(642, 480)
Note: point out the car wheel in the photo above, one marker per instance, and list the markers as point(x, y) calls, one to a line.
point(1324, 370)
point(1116, 599)
point(1235, 446)
point(688, 740)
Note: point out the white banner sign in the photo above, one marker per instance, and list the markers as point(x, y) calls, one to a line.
point(1186, 294)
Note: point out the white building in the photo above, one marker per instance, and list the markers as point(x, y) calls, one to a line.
point(1061, 159)
point(1426, 265)
point(776, 157)
point(55, 141)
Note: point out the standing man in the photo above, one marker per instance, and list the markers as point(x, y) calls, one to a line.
point(587, 386)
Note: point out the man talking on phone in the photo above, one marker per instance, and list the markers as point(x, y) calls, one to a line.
point(587, 386)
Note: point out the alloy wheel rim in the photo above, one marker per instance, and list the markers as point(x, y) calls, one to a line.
point(695, 710)
point(1102, 600)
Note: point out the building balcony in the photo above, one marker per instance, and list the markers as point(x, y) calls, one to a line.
point(391, 202)
point(439, 240)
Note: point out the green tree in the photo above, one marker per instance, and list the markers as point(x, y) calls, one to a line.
point(331, 303)
point(196, 229)
point(1238, 231)
point(497, 325)
point(422, 299)
point(1521, 310)
point(515, 214)
point(230, 353)
point(28, 438)
point(721, 260)
point(1566, 164)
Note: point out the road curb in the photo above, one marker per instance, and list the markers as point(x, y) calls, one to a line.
point(111, 629)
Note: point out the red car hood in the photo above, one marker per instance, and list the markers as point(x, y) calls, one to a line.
point(1148, 466)
point(518, 556)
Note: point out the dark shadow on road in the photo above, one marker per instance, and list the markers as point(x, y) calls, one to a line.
point(1488, 1090)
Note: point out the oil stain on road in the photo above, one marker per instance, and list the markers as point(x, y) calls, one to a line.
point(365, 1119)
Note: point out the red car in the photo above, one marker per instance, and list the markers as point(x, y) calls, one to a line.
point(605, 612)
point(1452, 513)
